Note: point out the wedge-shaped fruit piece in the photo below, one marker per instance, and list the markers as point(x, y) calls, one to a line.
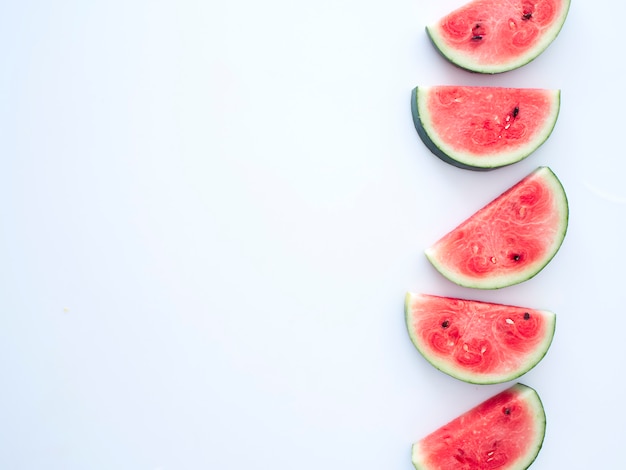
point(504, 432)
point(509, 240)
point(481, 128)
point(492, 36)
point(478, 342)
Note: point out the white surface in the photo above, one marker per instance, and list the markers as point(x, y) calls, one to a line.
point(210, 214)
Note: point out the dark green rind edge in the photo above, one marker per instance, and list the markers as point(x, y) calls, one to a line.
point(542, 419)
point(543, 430)
point(470, 381)
point(469, 69)
point(565, 227)
point(503, 69)
point(540, 268)
point(423, 133)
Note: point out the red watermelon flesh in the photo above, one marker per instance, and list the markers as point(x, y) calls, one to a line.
point(478, 342)
point(492, 36)
point(504, 432)
point(509, 240)
point(484, 127)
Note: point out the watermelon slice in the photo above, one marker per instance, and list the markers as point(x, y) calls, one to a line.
point(478, 342)
point(493, 36)
point(505, 432)
point(509, 240)
point(481, 128)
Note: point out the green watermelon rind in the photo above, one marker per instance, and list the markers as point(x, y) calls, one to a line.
point(465, 62)
point(467, 160)
point(481, 379)
point(532, 399)
point(498, 282)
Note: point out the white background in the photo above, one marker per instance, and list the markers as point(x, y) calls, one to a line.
point(210, 214)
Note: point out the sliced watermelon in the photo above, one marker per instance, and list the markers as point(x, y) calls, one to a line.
point(478, 342)
point(493, 36)
point(509, 240)
point(481, 128)
point(505, 432)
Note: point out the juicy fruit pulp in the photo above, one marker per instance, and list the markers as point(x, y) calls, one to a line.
point(509, 240)
point(504, 432)
point(483, 128)
point(478, 342)
point(492, 36)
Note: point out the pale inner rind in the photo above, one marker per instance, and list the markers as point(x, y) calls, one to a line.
point(438, 257)
point(468, 62)
point(530, 398)
point(485, 160)
point(415, 302)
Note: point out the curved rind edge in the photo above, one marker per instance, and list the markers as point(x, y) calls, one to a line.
point(534, 400)
point(521, 276)
point(434, 144)
point(447, 368)
point(471, 66)
point(421, 131)
point(531, 397)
